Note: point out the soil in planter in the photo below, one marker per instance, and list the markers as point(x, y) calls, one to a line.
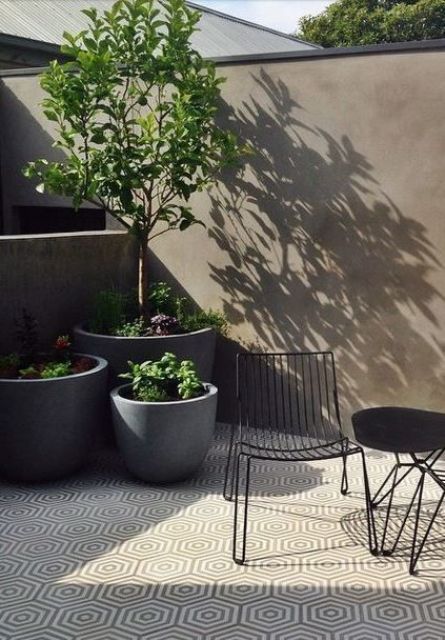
point(43, 366)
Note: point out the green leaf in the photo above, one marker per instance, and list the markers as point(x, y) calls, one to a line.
point(51, 115)
point(184, 224)
point(126, 197)
point(98, 137)
point(91, 13)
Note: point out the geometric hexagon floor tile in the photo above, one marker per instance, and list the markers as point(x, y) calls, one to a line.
point(102, 556)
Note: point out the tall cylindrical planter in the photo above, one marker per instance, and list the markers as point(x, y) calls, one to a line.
point(163, 441)
point(47, 426)
point(198, 346)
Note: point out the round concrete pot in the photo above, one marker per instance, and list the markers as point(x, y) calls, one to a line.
point(198, 346)
point(47, 426)
point(163, 441)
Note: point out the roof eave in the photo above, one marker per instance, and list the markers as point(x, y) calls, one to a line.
point(29, 43)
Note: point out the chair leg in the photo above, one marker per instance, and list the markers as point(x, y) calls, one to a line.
point(241, 559)
point(230, 467)
point(372, 535)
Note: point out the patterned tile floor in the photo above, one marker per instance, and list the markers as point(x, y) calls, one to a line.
point(104, 557)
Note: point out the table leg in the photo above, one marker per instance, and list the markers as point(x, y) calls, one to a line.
point(394, 478)
point(376, 500)
point(415, 555)
point(388, 508)
point(405, 520)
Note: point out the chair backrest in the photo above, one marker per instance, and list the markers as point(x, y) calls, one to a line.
point(288, 400)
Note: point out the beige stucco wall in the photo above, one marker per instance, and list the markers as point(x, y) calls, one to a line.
point(332, 236)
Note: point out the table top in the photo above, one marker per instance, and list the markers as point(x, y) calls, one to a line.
point(400, 429)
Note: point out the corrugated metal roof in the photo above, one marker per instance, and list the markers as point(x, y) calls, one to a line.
point(218, 35)
point(223, 35)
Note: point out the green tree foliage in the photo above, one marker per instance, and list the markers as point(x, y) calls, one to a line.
point(347, 23)
point(134, 112)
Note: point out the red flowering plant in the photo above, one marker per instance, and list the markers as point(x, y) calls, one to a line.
point(62, 344)
point(30, 364)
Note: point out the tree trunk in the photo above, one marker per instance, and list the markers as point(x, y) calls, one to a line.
point(143, 278)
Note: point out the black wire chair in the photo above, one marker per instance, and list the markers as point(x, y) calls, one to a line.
point(288, 411)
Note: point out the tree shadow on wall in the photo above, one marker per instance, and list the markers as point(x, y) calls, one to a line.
point(318, 256)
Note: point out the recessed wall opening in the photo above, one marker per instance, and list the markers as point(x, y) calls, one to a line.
point(33, 219)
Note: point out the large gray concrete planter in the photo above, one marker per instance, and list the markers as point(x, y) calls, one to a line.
point(47, 427)
point(163, 441)
point(198, 346)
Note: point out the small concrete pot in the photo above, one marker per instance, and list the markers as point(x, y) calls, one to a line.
point(47, 427)
point(198, 346)
point(163, 441)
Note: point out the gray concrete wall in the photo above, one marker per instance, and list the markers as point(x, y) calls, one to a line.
point(56, 278)
point(332, 236)
point(25, 134)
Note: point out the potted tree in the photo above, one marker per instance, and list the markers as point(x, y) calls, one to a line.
point(134, 113)
point(164, 419)
point(52, 408)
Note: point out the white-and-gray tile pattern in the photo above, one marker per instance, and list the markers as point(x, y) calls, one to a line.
point(102, 556)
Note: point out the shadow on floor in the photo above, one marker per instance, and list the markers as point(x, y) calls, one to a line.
point(61, 526)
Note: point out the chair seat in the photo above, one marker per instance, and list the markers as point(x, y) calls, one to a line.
point(286, 447)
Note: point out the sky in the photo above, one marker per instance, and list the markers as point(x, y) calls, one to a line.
point(282, 15)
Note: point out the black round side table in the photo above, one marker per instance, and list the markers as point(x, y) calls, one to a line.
point(401, 430)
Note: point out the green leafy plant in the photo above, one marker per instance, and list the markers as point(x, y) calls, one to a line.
point(204, 319)
point(189, 385)
point(132, 329)
point(134, 113)
point(164, 380)
point(109, 311)
point(56, 370)
point(30, 373)
point(152, 393)
point(44, 370)
point(161, 299)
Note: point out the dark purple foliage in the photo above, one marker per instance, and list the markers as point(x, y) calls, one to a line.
point(163, 325)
